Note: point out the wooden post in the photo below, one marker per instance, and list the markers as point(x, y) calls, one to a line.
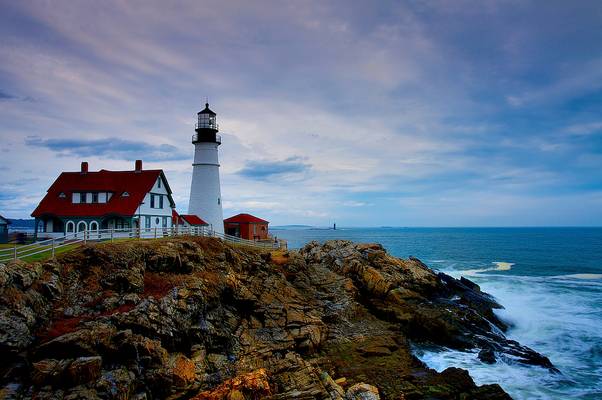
point(15, 252)
point(111, 235)
point(155, 232)
point(85, 234)
point(52, 247)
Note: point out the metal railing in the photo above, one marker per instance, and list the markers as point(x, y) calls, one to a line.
point(61, 240)
point(218, 138)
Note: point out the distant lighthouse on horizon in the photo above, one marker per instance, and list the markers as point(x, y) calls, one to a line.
point(205, 193)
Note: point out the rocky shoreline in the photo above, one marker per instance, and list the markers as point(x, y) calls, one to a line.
point(197, 318)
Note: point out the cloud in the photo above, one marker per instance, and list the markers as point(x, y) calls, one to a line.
point(263, 169)
point(379, 100)
point(6, 96)
point(585, 129)
point(112, 148)
point(354, 203)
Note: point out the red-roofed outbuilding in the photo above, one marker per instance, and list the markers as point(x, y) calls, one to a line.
point(188, 220)
point(85, 200)
point(246, 226)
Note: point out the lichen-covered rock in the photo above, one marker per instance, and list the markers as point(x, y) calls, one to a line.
point(362, 391)
point(199, 318)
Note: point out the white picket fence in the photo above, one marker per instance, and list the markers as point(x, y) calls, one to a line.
point(51, 245)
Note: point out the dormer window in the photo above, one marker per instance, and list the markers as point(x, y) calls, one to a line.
point(125, 194)
point(62, 195)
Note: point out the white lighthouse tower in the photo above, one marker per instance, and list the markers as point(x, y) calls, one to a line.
point(205, 193)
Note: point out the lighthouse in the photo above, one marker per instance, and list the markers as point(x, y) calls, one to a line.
point(205, 193)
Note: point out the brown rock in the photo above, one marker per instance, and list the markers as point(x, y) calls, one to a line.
point(183, 370)
point(48, 371)
point(84, 369)
point(255, 384)
point(362, 391)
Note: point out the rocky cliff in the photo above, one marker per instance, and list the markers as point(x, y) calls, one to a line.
point(196, 318)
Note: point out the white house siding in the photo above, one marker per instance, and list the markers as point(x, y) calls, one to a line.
point(154, 213)
point(205, 193)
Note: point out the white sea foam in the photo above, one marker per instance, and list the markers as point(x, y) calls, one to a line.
point(556, 317)
point(499, 266)
point(503, 266)
point(581, 276)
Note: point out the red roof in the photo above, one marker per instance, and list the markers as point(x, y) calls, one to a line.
point(193, 219)
point(136, 184)
point(246, 219)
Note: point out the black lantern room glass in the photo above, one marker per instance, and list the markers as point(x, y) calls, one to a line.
point(206, 119)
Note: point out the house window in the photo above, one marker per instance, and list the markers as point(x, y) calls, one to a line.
point(157, 221)
point(159, 183)
point(152, 201)
point(147, 221)
point(125, 194)
point(70, 226)
point(160, 201)
point(62, 195)
point(83, 197)
point(164, 222)
point(94, 197)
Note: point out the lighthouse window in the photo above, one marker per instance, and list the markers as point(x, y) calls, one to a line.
point(218, 201)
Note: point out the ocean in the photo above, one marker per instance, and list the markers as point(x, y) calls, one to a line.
point(548, 279)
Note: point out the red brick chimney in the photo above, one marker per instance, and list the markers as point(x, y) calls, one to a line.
point(84, 169)
point(138, 166)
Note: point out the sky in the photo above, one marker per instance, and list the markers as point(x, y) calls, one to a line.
point(363, 113)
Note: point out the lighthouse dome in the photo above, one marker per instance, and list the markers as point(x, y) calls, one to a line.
point(207, 110)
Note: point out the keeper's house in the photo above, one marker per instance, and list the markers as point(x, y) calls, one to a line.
point(89, 201)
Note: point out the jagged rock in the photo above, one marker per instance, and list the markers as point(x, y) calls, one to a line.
point(362, 391)
point(49, 371)
point(84, 369)
point(487, 356)
point(254, 384)
point(116, 384)
point(182, 317)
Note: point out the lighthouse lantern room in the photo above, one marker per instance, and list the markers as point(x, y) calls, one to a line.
point(205, 193)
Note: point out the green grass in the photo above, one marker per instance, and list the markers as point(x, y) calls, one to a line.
point(8, 245)
point(48, 254)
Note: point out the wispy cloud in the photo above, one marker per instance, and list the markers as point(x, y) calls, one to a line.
point(6, 96)
point(263, 169)
point(585, 129)
point(112, 148)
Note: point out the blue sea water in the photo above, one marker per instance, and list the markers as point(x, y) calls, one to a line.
point(548, 279)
